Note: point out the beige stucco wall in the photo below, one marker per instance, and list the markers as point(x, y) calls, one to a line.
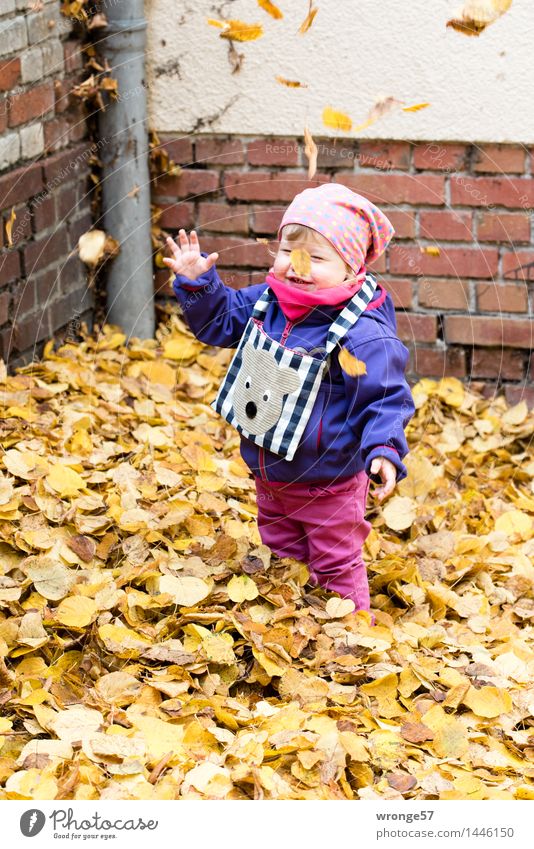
point(481, 89)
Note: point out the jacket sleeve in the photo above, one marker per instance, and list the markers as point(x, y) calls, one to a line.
point(215, 313)
point(380, 402)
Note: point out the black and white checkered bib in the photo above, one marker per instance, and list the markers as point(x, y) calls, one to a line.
point(275, 383)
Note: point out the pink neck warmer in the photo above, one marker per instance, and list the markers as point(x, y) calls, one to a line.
point(296, 303)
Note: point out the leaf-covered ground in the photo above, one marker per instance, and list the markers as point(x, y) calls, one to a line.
point(153, 648)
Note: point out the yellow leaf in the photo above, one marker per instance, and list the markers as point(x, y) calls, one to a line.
point(238, 31)
point(337, 608)
point(310, 151)
point(76, 611)
point(185, 590)
point(336, 120)
point(181, 348)
point(431, 250)
point(65, 480)
point(290, 83)
point(270, 666)
point(515, 524)
point(9, 226)
point(415, 108)
point(308, 20)
point(271, 9)
point(159, 372)
point(476, 15)
point(241, 588)
point(382, 106)
point(301, 262)
point(488, 701)
point(399, 513)
point(450, 740)
point(350, 364)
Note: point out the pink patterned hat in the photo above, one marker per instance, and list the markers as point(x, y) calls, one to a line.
point(353, 225)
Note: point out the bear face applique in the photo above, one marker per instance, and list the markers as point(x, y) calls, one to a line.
point(260, 388)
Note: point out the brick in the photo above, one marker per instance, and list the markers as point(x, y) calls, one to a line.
point(73, 56)
point(190, 183)
point(510, 192)
point(238, 279)
point(177, 215)
point(502, 298)
point(72, 274)
point(433, 362)
point(26, 332)
point(20, 185)
point(3, 113)
point(34, 103)
point(78, 227)
point(400, 291)
point(503, 227)
point(384, 155)
point(9, 148)
point(31, 141)
point(213, 151)
point(273, 152)
point(9, 266)
point(415, 327)
point(403, 223)
point(518, 265)
point(452, 262)
point(163, 283)
point(449, 226)
point(43, 212)
point(7, 6)
point(237, 252)
point(515, 394)
point(379, 266)
point(440, 157)
point(44, 24)
point(78, 126)
point(499, 159)
point(486, 330)
point(336, 153)
point(179, 150)
point(53, 58)
point(4, 307)
point(221, 218)
point(66, 309)
point(267, 186)
point(9, 73)
point(56, 134)
point(444, 294)
point(266, 219)
point(31, 64)
point(504, 363)
point(13, 35)
point(397, 188)
point(66, 163)
point(45, 251)
point(63, 94)
point(66, 202)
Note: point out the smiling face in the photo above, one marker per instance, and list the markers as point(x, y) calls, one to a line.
point(328, 269)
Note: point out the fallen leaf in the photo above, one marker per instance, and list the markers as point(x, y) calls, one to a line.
point(350, 364)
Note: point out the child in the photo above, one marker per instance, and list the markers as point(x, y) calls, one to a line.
point(312, 434)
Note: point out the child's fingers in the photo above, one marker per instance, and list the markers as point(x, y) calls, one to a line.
point(184, 241)
point(171, 244)
point(211, 260)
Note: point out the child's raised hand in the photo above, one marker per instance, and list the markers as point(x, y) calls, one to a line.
point(187, 259)
point(388, 474)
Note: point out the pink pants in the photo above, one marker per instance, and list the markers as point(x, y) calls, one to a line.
point(322, 525)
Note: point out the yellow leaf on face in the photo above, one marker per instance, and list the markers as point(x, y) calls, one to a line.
point(350, 364)
point(301, 262)
point(515, 524)
point(235, 30)
point(399, 513)
point(336, 120)
point(310, 151)
point(65, 480)
point(415, 108)
point(308, 20)
point(271, 9)
point(242, 588)
point(290, 83)
point(76, 611)
point(431, 250)
point(488, 701)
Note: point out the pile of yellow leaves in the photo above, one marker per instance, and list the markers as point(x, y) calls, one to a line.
point(151, 647)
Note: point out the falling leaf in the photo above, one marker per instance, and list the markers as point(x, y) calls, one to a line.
point(350, 364)
point(476, 15)
point(336, 120)
point(237, 30)
point(290, 83)
point(310, 151)
point(301, 262)
point(431, 250)
point(9, 226)
point(416, 107)
point(308, 20)
point(382, 106)
point(271, 9)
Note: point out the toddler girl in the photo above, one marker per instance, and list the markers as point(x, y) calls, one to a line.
point(312, 433)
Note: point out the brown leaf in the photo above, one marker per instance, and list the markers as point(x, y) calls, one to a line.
point(416, 732)
point(83, 546)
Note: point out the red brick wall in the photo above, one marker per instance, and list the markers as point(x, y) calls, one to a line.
point(44, 169)
point(465, 312)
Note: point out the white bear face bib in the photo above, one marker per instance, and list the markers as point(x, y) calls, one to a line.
point(269, 390)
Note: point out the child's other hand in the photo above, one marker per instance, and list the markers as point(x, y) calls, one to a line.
point(187, 258)
point(388, 474)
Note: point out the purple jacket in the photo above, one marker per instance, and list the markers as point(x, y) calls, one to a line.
point(354, 419)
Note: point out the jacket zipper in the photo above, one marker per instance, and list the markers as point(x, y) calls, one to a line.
point(261, 458)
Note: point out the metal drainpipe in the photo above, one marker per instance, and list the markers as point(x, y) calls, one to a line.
point(126, 180)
